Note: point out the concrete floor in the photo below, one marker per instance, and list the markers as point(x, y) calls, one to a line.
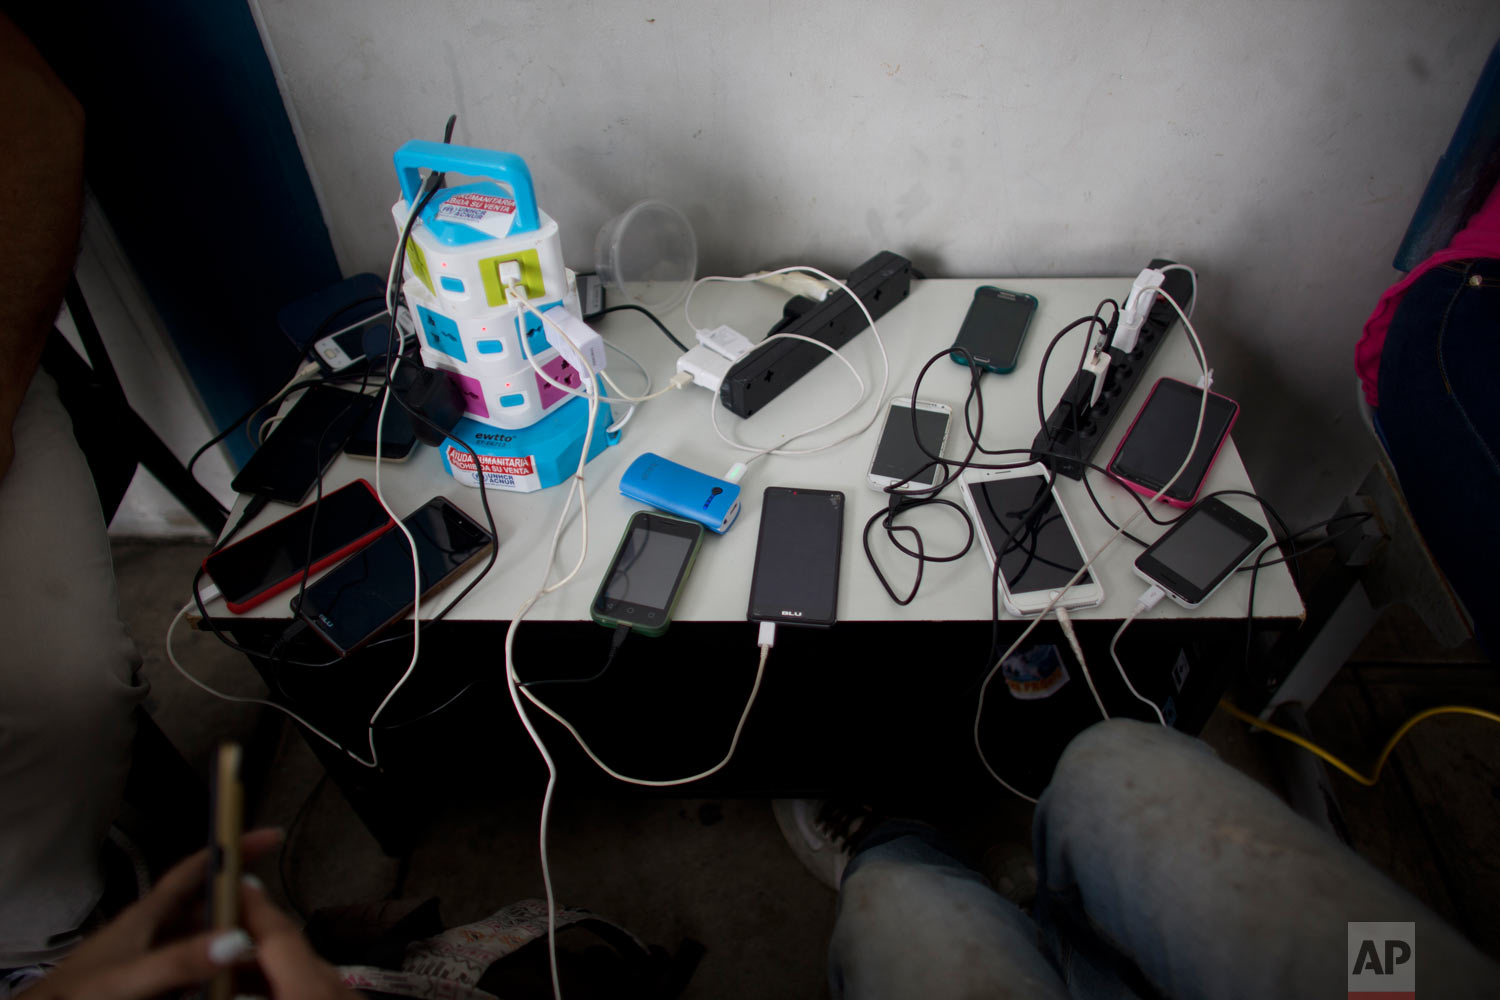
point(719, 872)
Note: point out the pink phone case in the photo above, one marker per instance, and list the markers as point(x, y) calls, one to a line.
point(1148, 491)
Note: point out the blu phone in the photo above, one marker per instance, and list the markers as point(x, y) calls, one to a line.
point(1158, 439)
point(900, 460)
point(1026, 529)
point(993, 329)
point(373, 588)
point(285, 468)
point(645, 578)
point(1199, 551)
point(797, 554)
point(261, 565)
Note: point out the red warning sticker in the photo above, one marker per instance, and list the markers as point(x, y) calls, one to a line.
point(508, 465)
point(476, 206)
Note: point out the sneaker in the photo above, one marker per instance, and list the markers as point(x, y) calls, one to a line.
point(823, 833)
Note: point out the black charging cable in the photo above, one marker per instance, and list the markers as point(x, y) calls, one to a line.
point(644, 312)
point(616, 640)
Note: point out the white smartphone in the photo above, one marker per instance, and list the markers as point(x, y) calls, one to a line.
point(898, 455)
point(343, 348)
point(1023, 524)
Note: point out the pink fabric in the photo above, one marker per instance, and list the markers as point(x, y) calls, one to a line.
point(1480, 238)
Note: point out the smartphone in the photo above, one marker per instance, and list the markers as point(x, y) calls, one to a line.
point(645, 578)
point(398, 438)
point(285, 468)
point(227, 824)
point(261, 565)
point(373, 588)
point(1025, 527)
point(796, 575)
point(1199, 551)
point(993, 329)
point(343, 349)
point(899, 454)
point(1158, 439)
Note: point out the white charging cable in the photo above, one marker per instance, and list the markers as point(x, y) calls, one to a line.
point(780, 449)
point(1125, 526)
point(1144, 603)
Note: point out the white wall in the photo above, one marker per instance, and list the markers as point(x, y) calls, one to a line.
point(1279, 147)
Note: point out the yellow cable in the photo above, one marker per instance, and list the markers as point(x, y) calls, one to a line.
point(1385, 754)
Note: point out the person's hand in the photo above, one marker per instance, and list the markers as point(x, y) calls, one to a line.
point(290, 966)
point(142, 954)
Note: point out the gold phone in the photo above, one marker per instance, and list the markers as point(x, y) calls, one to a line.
point(224, 856)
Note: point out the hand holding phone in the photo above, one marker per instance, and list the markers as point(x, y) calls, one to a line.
point(224, 856)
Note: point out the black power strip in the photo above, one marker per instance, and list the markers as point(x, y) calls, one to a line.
point(882, 282)
point(1075, 430)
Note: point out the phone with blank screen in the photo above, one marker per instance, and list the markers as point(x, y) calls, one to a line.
point(261, 565)
point(373, 588)
point(1199, 551)
point(306, 440)
point(1157, 442)
point(993, 329)
point(1024, 527)
point(797, 554)
point(645, 578)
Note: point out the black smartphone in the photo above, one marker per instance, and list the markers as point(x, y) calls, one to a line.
point(1158, 439)
point(796, 575)
point(398, 438)
point(373, 588)
point(285, 468)
point(262, 565)
point(993, 329)
point(645, 577)
point(1199, 551)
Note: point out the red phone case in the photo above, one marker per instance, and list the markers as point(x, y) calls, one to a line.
point(1150, 491)
point(256, 600)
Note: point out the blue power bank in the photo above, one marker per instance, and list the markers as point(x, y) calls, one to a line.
point(676, 489)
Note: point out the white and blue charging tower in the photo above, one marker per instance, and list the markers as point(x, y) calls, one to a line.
point(527, 432)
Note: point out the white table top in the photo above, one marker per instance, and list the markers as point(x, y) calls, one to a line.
point(677, 427)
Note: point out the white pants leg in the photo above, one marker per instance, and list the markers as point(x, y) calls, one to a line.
point(68, 686)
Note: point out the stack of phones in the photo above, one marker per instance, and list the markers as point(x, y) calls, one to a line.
point(372, 587)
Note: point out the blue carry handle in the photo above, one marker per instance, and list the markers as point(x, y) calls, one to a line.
point(508, 168)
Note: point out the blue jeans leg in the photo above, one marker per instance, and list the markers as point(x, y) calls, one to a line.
point(914, 923)
point(1158, 862)
point(1439, 417)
